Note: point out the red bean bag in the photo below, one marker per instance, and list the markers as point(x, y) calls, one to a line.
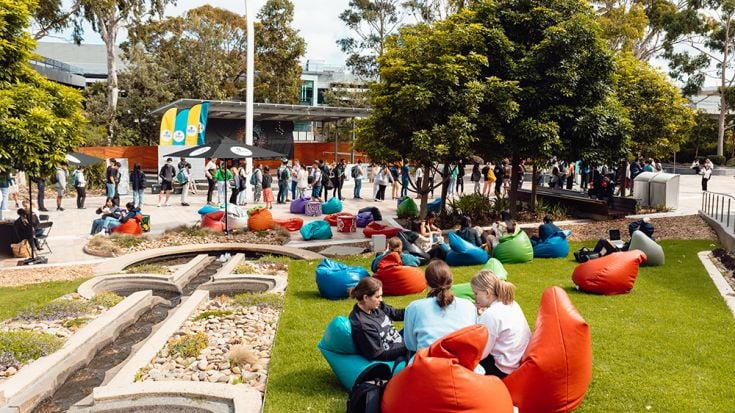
point(556, 368)
point(399, 279)
point(213, 221)
point(291, 224)
point(374, 228)
point(130, 227)
point(612, 274)
point(441, 379)
point(260, 219)
point(332, 218)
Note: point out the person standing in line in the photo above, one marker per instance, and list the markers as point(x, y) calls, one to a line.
point(499, 172)
point(234, 183)
point(405, 172)
point(137, 182)
point(419, 180)
point(61, 173)
point(453, 174)
point(185, 174)
point(295, 178)
point(460, 177)
point(316, 180)
point(571, 171)
point(357, 175)
point(14, 184)
point(110, 178)
point(268, 197)
point(41, 183)
point(284, 177)
point(341, 177)
point(221, 178)
point(242, 179)
point(4, 191)
point(210, 168)
point(706, 175)
point(79, 184)
point(167, 174)
point(485, 172)
point(384, 179)
point(302, 182)
point(431, 174)
point(373, 177)
point(326, 179)
point(338, 176)
point(118, 177)
point(394, 174)
point(507, 173)
point(256, 179)
point(476, 176)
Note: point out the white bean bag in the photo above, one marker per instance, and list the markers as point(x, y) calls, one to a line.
point(654, 252)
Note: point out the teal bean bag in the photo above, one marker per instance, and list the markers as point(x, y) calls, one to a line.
point(340, 352)
point(463, 253)
point(332, 206)
point(514, 248)
point(556, 246)
point(464, 290)
point(654, 252)
point(496, 267)
point(316, 230)
point(206, 209)
point(333, 278)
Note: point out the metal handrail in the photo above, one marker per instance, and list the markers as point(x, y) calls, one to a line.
point(714, 205)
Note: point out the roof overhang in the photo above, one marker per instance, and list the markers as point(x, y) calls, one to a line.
point(225, 109)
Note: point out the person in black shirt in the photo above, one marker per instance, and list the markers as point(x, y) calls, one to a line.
point(372, 323)
point(545, 230)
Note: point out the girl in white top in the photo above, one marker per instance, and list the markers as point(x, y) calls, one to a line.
point(302, 182)
point(506, 324)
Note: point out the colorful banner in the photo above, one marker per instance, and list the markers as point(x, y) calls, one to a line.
point(192, 125)
point(203, 123)
point(167, 127)
point(180, 129)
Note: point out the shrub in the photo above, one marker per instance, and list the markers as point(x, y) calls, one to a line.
point(75, 323)
point(189, 345)
point(475, 206)
point(259, 299)
point(213, 313)
point(55, 310)
point(106, 299)
point(148, 269)
point(127, 240)
point(104, 246)
point(717, 159)
point(190, 231)
point(730, 162)
point(244, 269)
point(21, 346)
point(241, 355)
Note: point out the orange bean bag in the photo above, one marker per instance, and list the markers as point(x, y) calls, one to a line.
point(375, 228)
point(556, 368)
point(291, 224)
point(130, 227)
point(399, 279)
point(612, 274)
point(332, 218)
point(260, 219)
point(441, 379)
point(213, 221)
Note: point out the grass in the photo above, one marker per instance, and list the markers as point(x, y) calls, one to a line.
point(664, 347)
point(14, 300)
point(127, 240)
point(148, 269)
point(213, 313)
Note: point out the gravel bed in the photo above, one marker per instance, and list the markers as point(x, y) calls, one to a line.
point(33, 275)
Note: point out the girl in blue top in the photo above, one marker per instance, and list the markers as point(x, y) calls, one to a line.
point(439, 314)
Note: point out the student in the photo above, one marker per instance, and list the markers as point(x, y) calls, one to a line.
point(221, 177)
point(373, 331)
point(467, 232)
point(129, 212)
point(429, 237)
point(79, 184)
point(545, 230)
point(440, 313)
point(167, 174)
point(506, 324)
point(107, 213)
point(185, 175)
point(266, 181)
point(137, 182)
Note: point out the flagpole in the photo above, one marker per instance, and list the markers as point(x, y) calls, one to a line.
point(249, 84)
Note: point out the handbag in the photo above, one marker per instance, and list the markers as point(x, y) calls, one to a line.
point(21, 249)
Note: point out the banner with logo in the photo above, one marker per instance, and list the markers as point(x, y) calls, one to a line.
point(192, 125)
point(180, 128)
point(204, 112)
point(167, 127)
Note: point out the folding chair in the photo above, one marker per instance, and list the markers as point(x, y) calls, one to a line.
point(42, 238)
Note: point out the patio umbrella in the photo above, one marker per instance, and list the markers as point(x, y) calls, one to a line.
point(82, 159)
point(227, 149)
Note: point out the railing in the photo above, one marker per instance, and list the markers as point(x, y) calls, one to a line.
point(719, 207)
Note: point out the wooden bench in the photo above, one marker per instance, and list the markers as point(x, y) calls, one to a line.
point(580, 204)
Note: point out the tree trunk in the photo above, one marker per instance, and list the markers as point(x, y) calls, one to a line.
point(534, 185)
point(108, 32)
point(424, 191)
point(514, 178)
point(445, 187)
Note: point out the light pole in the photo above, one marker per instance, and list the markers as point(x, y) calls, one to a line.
point(249, 84)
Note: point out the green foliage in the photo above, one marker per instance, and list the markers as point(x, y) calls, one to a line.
point(14, 300)
point(126, 240)
point(189, 345)
point(730, 162)
point(212, 313)
point(106, 299)
point(95, 175)
point(75, 323)
point(25, 346)
point(148, 269)
point(55, 310)
point(557, 210)
point(189, 231)
point(259, 299)
point(717, 159)
point(475, 206)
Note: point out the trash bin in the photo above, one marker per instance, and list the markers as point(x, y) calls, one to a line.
point(664, 190)
point(145, 223)
point(641, 188)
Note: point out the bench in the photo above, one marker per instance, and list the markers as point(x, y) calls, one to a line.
point(579, 203)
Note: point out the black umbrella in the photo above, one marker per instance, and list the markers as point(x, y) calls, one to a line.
point(227, 149)
point(82, 159)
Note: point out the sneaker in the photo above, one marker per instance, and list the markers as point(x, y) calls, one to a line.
point(184, 204)
point(43, 210)
point(158, 205)
point(59, 209)
point(166, 204)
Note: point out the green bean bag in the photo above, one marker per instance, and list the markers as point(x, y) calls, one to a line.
point(654, 252)
point(464, 290)
point(496, 267)
point(340, 352)
point(316, 230)
point(407, 208)
point(514, 248)
point(332, 206)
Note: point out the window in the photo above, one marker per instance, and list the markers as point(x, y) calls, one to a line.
point(307, 93)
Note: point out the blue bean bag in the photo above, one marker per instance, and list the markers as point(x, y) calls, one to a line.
point(316, 230)
point(206, 209)
point(463, 253)
point(343, 357)
point(556, 246)
point(364, 218)
point(406, 258)
point(298, 206)
point(496, 267)
point(334, 278)
point(515, 248)
point(435, 205)
point(332, 206)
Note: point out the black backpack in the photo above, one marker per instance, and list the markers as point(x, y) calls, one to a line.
point(368, 390)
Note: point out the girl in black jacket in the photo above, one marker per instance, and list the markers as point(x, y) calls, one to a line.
point(372, 329)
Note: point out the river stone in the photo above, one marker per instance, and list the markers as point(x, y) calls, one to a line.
point(202, 365)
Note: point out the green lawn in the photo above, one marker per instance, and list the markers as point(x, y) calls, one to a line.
point(14, 299)
point(664, 347)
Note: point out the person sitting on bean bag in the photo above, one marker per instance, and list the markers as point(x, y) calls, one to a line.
point(500, 228)
point(430, 237)
point(545, 230)
point(605, 246)
point(395, 244)
point(505, 321)
point(471, 234)
point(373, 331)
point(130, 212)
point(440, 313)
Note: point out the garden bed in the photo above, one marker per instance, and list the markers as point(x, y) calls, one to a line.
point(724, 260)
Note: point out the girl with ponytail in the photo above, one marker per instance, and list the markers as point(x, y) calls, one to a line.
point(441, 313)
point(505, 321)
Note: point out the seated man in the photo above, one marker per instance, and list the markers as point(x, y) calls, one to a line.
point(644, 225)
point(471, 234)
point(605, 246)
point(545, 230)
point(23, 228)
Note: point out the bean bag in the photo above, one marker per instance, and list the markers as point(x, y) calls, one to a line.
point(130, 227)
point(441, 379)
point(375, 228)
point(332, 206)
point(260, 219)
point(364, 218)
point(407, 208)
point(207, 209)
point(556, 246)
point(298, 206)
point(399, 279)
point(464, 253)
point(333, 278)
point(213, 221)
point(406, 259)
point(494, 265)
point(654, 252)
point(558, 359)
point(463, 290)
point(332, 218)
point(316, 230)
point(291, 224)
point(407, 239)
point(612, 274)
point(377, 216)
point(515, 248)
point(236, 222)
point(341, 354)
point(435, 205)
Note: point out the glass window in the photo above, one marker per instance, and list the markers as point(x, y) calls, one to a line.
point(307, 93)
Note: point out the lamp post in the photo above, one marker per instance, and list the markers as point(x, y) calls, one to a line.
point(249, 83)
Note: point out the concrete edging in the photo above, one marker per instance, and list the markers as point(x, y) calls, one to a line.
point(723, 287)
point(221, 284)
point(727, 238)
point(41, 378)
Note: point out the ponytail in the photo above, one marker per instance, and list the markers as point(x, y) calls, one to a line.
point(505, 292)
point(439, 277)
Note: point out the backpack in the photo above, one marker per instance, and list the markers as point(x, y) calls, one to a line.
point(75, 178)
point(283, 174)
point(55, 178)
point(180, 177)
point(254, 178)
point(368, 390)
point(354, 171)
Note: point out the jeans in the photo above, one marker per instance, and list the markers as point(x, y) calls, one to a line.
point(294, 187)
point(110, 190)
point(358, 187)
point(315, 191)
point(242, 197)
point(4, 201)
point(138, 198)
point(257, 192)
point(282, 192)
point(221, 192)
point(404, 188)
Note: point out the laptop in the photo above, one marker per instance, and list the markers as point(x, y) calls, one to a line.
point(615, 238)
